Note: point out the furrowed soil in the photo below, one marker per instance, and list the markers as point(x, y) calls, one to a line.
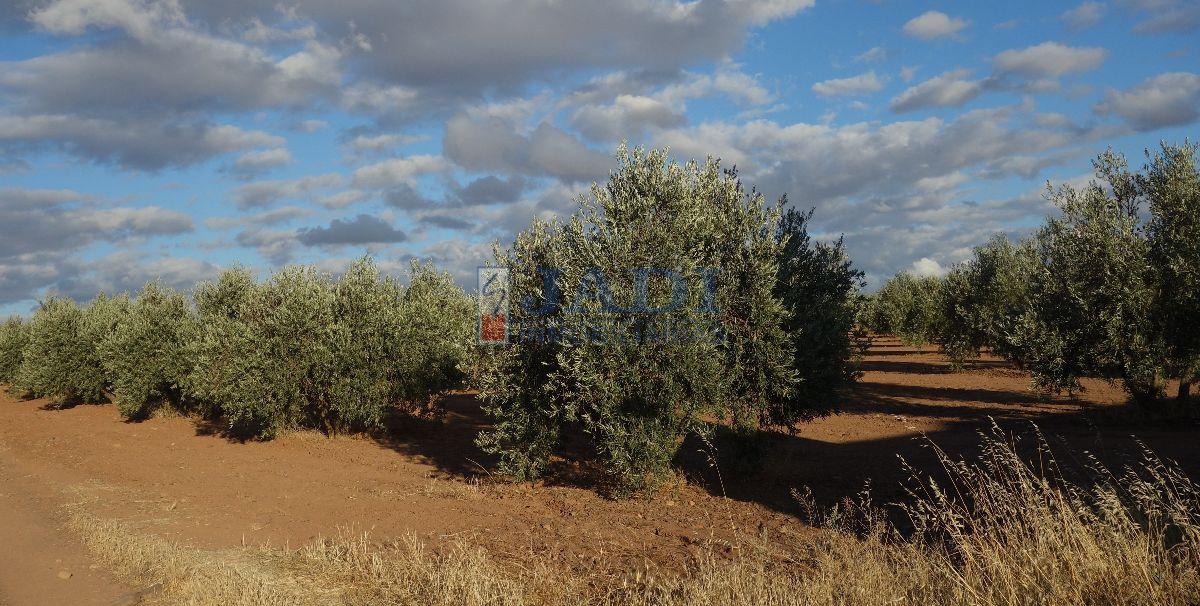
point(178, 479)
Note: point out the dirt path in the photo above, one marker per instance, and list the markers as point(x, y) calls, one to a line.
point(174, 478)
point(41, 562)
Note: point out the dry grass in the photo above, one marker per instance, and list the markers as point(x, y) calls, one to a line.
point(996, 531)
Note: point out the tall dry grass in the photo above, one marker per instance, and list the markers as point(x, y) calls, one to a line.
point(998, 530)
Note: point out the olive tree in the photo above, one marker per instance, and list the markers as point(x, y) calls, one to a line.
point(305, 349)
point(146, 355)
point(638, 377)
point(62, 359)
point(983, 299)
point(819, 288)
point(435, 336)
point(908, 307)
point(14, 338)
point(1090, 293)
point(1171, 187)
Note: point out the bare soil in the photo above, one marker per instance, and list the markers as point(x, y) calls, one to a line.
point(177, 478)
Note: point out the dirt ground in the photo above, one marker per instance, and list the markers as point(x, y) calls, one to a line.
point(175, 478)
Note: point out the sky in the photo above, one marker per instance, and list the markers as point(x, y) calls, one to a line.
point(168, 139)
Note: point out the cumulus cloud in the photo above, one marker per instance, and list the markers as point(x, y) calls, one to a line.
point(494, 144)
point(925, 267)
point(1171, 99)
point(1166, 16)
point(363, 229)
point(1083, 16)
point(857, 85)
point(379, 143)
point(263, 193)
point(398, 171)
point(274, 216)
point(254, 163)
point(164, 64)
point(506, 43)
point(933, 24)
point(137, 144)
point(1049, 59)
point(951, 89)
point(44, 220)
point(45, 228)
point(875, 53)
point(627, 117)
point(128, 271)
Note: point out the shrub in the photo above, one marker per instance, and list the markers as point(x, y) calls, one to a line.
point(265, 366)
point(14, 338)
point(983, 300)
point(63, 360)
point(1171, 186)
point(1090, 295)
point(908, 307)
point(305, 350)
point(436, 335)
point(146, 356)
point(606, 367)
point(819, 288)
point(1098, 291)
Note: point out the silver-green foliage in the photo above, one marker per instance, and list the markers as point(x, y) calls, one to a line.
point(1090, 298)
point(14, 338)
point(819, 287)
point(146, 356)
point(1110, 288)
point(434, 338)
point(62, 359)
point(635, 393)
point(983, 299)
point(908, 307)
point(305, 350)
point(1171, 187)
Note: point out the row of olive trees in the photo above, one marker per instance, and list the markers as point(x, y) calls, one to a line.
point(759, 331)
point(300, 350)
point(1108, 289)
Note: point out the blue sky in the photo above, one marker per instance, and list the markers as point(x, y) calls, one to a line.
point(166, 139)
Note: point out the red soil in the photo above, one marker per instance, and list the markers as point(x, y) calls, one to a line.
point(175, 478)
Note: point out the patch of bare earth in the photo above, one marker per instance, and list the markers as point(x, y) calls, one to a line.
point(173, 478)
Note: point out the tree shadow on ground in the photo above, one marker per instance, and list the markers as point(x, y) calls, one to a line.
point(766, 467)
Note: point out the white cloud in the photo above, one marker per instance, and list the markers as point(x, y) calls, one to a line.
point(143, 144)
point(627, 117)
point(398, 171)
point(262, 193)
point(875, 53)
point(858, 85)
point(951, 89)
point(1083, 16)
point(380, 143)
point(1050, 59)
point(925, 267)
point(765, 11)
point(1171, 99)
point(256, 162)
point(933, 24)
point(140, 18)
point(494, 144)
point(1166, 16)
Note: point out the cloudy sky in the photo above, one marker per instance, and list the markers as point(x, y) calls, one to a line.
point(166, 139)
